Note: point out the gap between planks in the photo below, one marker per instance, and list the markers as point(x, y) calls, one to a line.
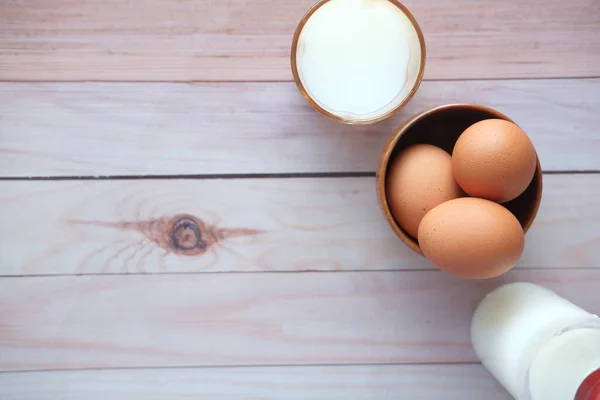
point(242, 367)
point(201, 82)
point(299, 175)
point(314, 271)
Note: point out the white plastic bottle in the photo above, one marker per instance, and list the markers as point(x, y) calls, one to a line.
point(538, 345)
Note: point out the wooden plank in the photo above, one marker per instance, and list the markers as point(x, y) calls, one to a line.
point(250, 40)
point(328, 224)
point(300, 224)
point(62, 129)
point(72, 322)
point(450, 382)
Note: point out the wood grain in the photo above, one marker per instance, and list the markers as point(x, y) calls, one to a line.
point(187, 40)
point(62, 129)
point(450, 382)
point(141, 289)
point(251, 319)
point(330, 224)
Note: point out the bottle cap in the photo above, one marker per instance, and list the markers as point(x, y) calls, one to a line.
point(590, 387)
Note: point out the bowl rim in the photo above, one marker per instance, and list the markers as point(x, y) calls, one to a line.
point(391, 144)
point(328, 114)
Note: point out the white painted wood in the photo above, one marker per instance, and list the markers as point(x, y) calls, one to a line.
point(230, 320)
point(72, 322)
point(330, 224)
point(304, 224)
point(73, 129)
point(188, 40)
point(376, 382)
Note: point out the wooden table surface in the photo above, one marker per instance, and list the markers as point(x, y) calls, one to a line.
point(122, 121)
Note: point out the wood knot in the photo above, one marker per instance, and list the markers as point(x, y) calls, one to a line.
point(182, 234)
point(186, 235)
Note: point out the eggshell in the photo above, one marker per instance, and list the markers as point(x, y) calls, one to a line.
point(471, 238)
point(494, 159)
point(418, 179)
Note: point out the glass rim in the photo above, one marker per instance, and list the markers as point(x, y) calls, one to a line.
point(592, 322)
point(323, 111)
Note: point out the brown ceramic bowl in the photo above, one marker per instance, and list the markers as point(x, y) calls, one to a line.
point(338, 118)
point(441, 126)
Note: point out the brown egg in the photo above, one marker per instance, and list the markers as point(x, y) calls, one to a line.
point(494, 159)
point(471, 238)
point(418, 179)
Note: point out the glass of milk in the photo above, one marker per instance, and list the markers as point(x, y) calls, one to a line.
point(358, 61)
point(538, 345)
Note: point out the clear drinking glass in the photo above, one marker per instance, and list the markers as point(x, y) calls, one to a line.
point(414, 73)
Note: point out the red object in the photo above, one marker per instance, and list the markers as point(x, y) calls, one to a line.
point(590, 387)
